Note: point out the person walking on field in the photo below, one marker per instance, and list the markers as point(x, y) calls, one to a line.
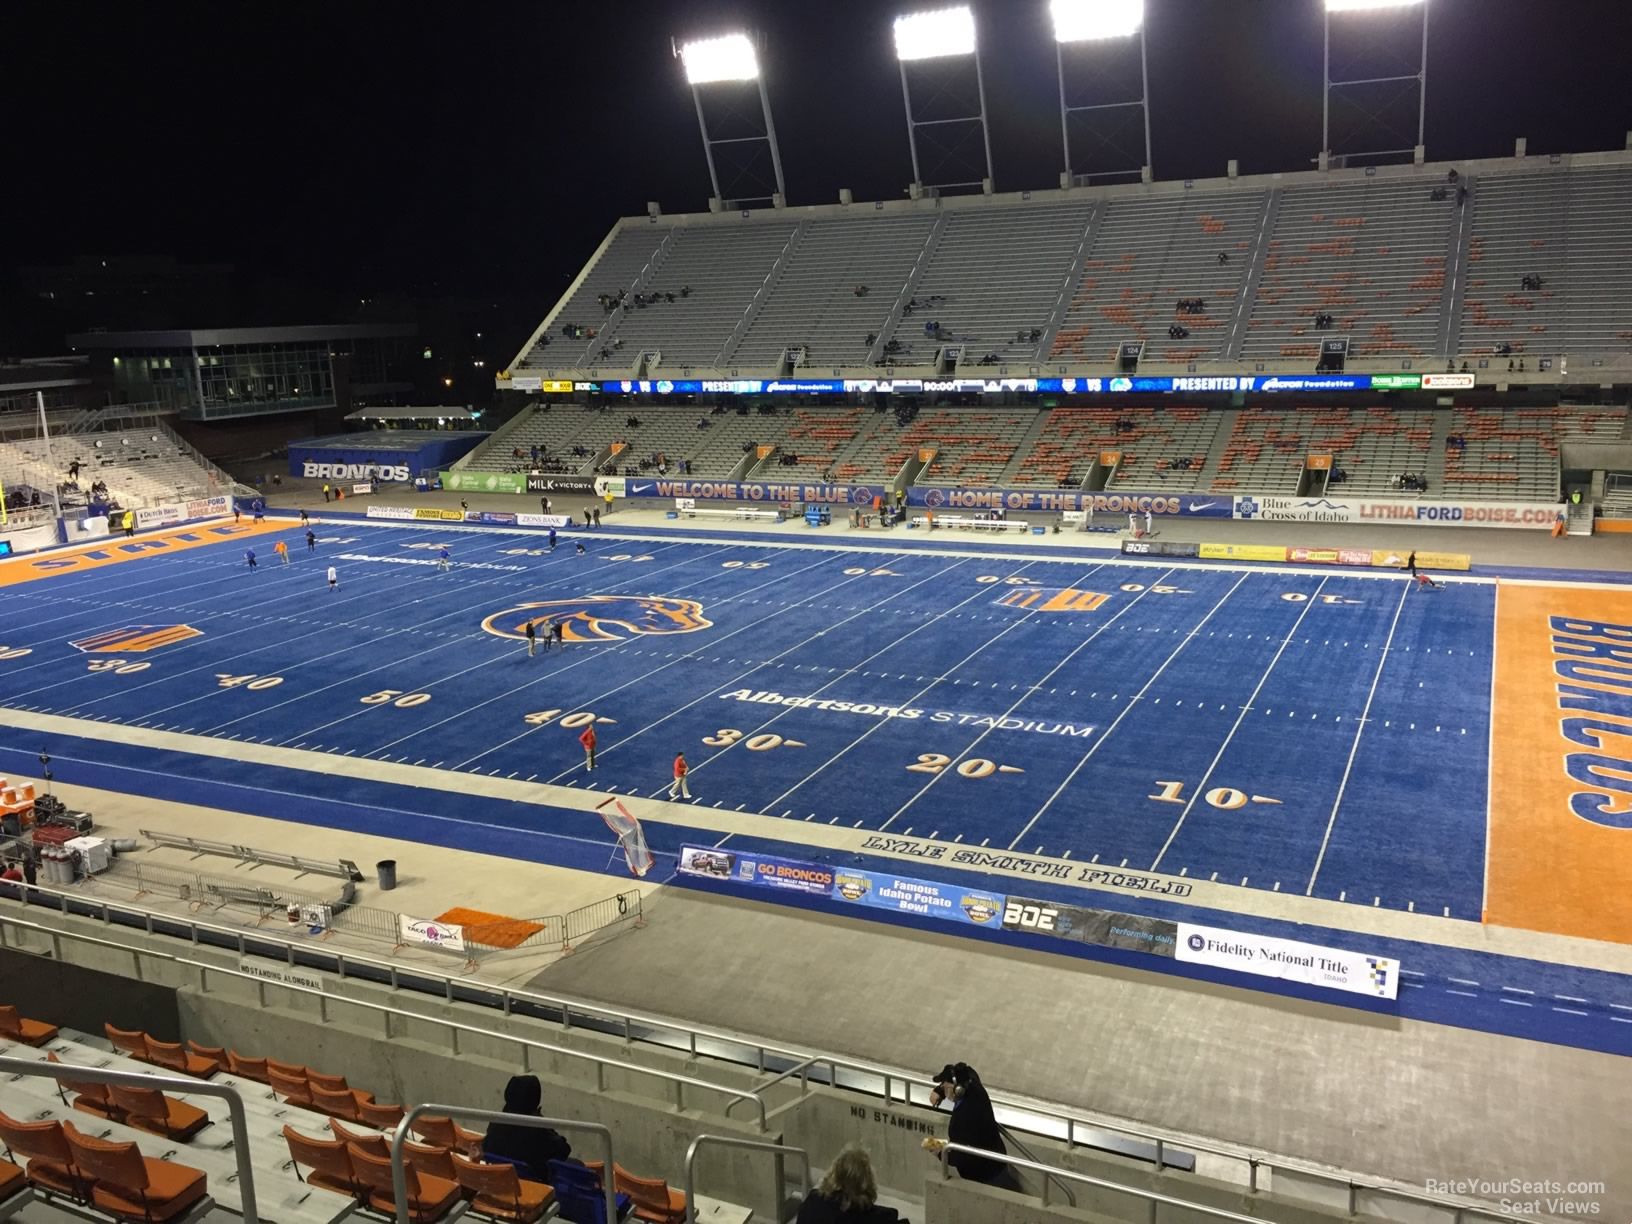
point(532, 639)
point(249, 556)
point(558, 631)
point(552, 539)
point(442, 560)
point(325, 492)
point(311, 540)
point(334, 579)
point(678, 787)
point(1411, 563)
point(587, 739)
point(282, 550)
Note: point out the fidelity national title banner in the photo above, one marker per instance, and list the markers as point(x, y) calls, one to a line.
point(1289, 960)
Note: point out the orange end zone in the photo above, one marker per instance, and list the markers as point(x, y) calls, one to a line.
point(116, 549)
point(1560, 850)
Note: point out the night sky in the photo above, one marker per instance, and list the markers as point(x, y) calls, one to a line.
point(445, 150)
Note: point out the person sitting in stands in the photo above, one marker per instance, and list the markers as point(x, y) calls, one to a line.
point(533, 1146)
point(849, 1193)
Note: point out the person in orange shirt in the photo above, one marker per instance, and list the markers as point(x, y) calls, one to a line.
point(282, 550)
point(678, 787)
point(587, 739)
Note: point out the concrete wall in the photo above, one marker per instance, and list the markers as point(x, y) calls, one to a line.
point(84, 998)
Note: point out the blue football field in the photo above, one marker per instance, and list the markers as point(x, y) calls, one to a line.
point(1300, 732)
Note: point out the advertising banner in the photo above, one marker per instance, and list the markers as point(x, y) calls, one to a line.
point(1289, 960)
point(390, 512)
point(1396, 511)
point(762, 870)
point(445, 516)
point(1047, 501)
point(1386, 558)
point(428, 931)
point(493, 518)
point(1159, 548)
point(208, 507)
point(754, 491)
point(529, 382)
point(995, 386)
point(543, 520)
point(345, 466)
point(1103, 928)
point(926, 898)
point(557, 484)
point(362, 488)
point(484, 482)
point(1242, 552)
point(159, 516)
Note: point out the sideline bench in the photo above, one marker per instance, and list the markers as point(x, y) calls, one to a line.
point(972, 524)
point(738, 512)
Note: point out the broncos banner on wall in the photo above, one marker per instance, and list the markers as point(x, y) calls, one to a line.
point(755, 491)
point(1053, 501)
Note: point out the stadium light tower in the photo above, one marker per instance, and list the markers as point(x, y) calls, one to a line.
point(731, 59)
point(1359, 18)
point(940, 34)
point(1100, 21)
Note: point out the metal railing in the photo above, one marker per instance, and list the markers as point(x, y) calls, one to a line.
point(162, 1083)
point(400, 1137)
point(344, 869)
point(678, 1081)
point(751, 1145)
point(893, 1083)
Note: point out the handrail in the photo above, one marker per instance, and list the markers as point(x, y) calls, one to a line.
point(399, 1137)
point(752, 1145)
point(600, 1061)
point(626, 1019)
point(1070, 1196)
point(174, 1083)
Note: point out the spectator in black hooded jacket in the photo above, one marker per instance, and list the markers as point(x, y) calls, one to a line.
point(534, 1146)
point(973, 1124)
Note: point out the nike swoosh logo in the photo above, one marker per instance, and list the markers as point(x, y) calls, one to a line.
point(640, 488)
point(1202, 506)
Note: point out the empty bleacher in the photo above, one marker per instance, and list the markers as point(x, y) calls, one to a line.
point(722, 268)
point(1151, 449)
point(619, 267)
point(1568, 227)
point(1371, 253)
point(141, 467)
point(1265, 453)
point(1373, 446)
point(815, 302)
point(1147, 254)
point(973, 446)
point(997, 273)
point(1512, 455)
point(818, 437)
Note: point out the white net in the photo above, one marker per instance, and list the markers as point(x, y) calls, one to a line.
point(629, 835)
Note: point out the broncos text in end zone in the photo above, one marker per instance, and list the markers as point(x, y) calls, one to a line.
point(1600, 655)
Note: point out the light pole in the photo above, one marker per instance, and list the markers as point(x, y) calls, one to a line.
point(941, 34)
point(1354, 16)
point(1082, 21)
point(715, 61)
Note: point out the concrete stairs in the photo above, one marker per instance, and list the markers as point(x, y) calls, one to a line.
point(1024, 449)
point(1221, 442)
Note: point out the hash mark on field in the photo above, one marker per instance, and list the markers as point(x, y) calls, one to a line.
point(958, 838)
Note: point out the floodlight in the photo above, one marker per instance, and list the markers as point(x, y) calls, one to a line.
point(1083, 20)
point(1349, 6)
point(934, 34)
point(730, 58)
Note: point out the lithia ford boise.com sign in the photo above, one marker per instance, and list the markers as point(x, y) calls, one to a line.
point(1532, 515)
point(1310, 964)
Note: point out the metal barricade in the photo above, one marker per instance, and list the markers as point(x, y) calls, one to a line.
point(162, 1083)
point(752, 1145)
point(399, 1175)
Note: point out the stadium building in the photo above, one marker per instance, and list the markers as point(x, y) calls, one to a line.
point(1162, 649)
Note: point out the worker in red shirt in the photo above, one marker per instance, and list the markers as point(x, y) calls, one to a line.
point(587, 739)
point(678, 788)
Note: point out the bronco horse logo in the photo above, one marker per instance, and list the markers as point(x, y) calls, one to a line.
point(598, 618)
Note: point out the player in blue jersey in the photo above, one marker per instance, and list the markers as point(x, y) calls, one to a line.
point(442, 559)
